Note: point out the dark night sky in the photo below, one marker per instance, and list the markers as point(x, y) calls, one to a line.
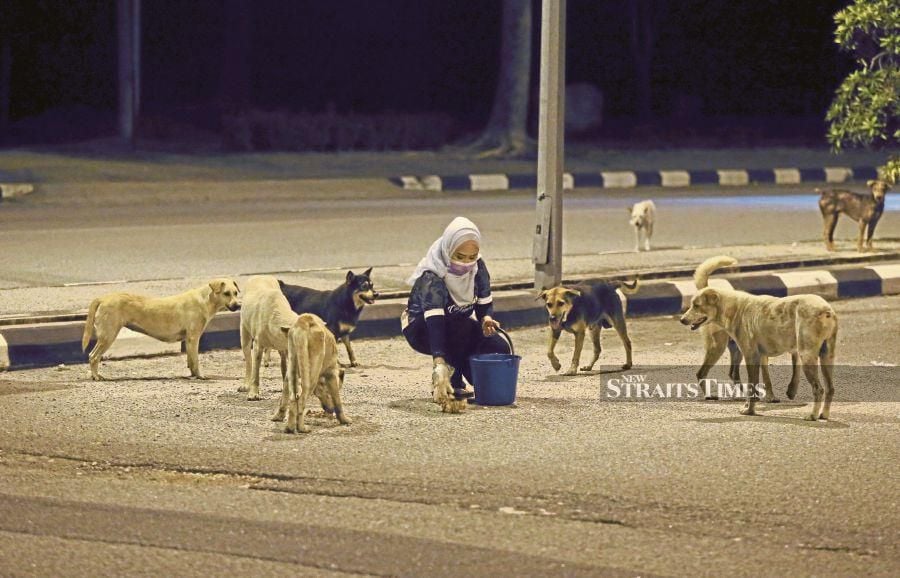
point(741, 57)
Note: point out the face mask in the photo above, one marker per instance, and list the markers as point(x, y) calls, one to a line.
point(459, 269)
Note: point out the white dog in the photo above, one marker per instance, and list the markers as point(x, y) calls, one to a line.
point(265, 312)
point(181, 317)
point(765, 326)
point(312, 366)
point(643, 215)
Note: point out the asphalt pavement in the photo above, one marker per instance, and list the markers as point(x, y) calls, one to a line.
point(154, 473)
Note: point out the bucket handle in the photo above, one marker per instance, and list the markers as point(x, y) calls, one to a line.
point(508, 339)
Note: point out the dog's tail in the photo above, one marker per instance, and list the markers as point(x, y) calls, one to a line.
point(626, 288)
point(708, 267)
point(307, 371)
point(89, 324)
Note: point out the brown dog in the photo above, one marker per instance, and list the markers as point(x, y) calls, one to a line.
point(581, 307)
point(865, 209)
point(312, 366)
point(181, 317)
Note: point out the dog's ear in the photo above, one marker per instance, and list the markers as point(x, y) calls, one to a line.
point(711, 297)
point(574, 292)
point(870, 183)
point(285, 329)
point(350, 276)
point(367, 272)
point(238, 289)
point(217, 285)
point(542, 295)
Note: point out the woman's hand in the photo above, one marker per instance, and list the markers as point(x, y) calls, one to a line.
point(489, 326)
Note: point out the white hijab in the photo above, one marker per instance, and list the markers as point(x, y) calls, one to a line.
point(461, 287)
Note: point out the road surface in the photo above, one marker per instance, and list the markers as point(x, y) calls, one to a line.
point(155, 474)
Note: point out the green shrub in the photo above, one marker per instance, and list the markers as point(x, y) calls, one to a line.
point(865, 111)
point(285, 131)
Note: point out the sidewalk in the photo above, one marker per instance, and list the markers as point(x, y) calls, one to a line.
point(91, 173)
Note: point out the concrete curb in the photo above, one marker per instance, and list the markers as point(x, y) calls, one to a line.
point(48, 344)
point(13, 190)
point(632, 179)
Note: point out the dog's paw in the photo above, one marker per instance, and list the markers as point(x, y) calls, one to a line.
point(279, 416)
point(823, 416)
point(626, 366)
point(555, 363)
point(571, 371)
point(711, 398)
point(772, 399)
point(454, 405)
point(98, 377)
point(253, 397)
point(344, 419)
point(810, 417)
point(243, 389)
point(748, 411)
point(791, 390)
point(587, 367)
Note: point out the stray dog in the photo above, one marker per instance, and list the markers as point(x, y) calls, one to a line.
point(181, 317)
point(865, 209)
point(264, 315)
point(312, 365)
point(339, 308)
point(716, 339)
point(582, 307)
point(765, 326)
point(643, 215)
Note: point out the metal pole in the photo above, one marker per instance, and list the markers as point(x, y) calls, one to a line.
point(548, 229)
point(124, 18)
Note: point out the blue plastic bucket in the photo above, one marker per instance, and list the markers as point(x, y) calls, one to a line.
point(494, 376)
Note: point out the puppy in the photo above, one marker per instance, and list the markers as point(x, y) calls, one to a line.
point(582, 307)
point(643, 215)
point(716, 339)
point(765, 326)
point(264, 315)
point(312, 365)
point(181, 317)
point(865, 209)
point(340, 308)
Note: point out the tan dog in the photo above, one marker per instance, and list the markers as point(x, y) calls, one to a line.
point(181, 317)
point(312, 366)
point(581, 307)
point(716, 339)
point(765, 326)
point(264, 313)
point(642, 218)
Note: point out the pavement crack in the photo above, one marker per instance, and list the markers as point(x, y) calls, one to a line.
point(840, 549)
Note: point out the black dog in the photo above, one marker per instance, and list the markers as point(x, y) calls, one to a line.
point(586, 307)
point(339, 308)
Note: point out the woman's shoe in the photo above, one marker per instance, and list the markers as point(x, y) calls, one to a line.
point(463, 393)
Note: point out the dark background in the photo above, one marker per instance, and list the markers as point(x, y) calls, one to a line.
point(764, 66)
